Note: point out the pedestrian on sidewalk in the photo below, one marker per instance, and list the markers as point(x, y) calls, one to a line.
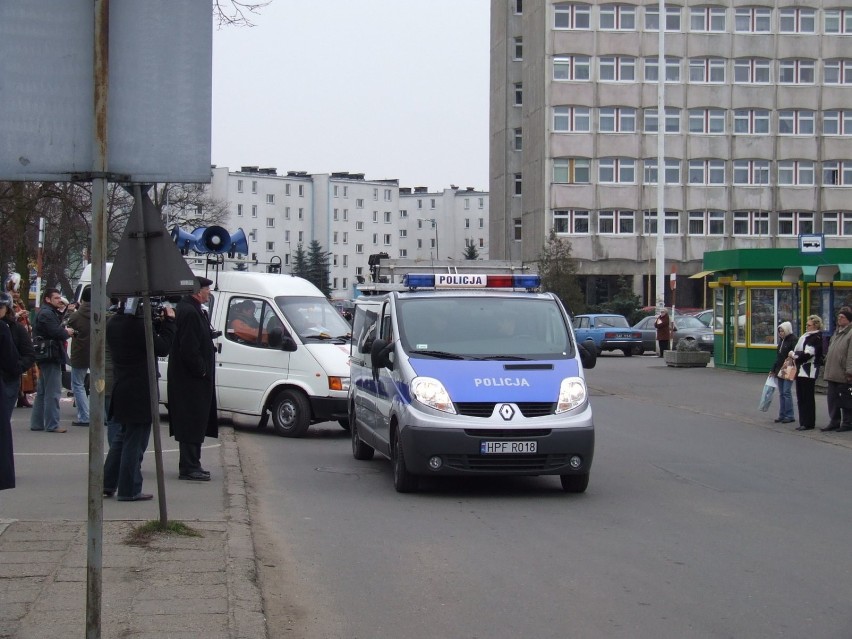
point(664, 327)
point(81, 321)
point(48, 325)
point(838, 375)
point(130, 398)
point(9, 368)
point(783, 361)
point(24, 348)
point(192, 382)
point(807, 357)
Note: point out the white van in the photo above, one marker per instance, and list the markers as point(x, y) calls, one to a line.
point(294, 368)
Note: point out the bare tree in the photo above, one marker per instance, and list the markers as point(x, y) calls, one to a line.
point(234, 13)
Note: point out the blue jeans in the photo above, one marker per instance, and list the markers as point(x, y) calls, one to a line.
point(78, 387)
point(123, 465)
point(45, 415)
point(785, 395)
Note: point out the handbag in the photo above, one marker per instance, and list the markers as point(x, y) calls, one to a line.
point(788, 372)
point(46, 350)
point(768, 391)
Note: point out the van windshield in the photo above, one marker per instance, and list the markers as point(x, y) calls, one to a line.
point(314, 318)
point(484, 328)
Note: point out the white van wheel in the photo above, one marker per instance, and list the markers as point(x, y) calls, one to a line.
point(290, 413)
point(403, 481)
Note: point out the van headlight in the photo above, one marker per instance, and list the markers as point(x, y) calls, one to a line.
point(572, 393)
point(430, 392)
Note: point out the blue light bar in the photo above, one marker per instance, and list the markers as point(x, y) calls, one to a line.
point(417, 280)
point(473, 280)
point(528, 281)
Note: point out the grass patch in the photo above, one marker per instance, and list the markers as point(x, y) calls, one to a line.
point(143, 534)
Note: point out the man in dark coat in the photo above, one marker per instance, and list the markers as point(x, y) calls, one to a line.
point(8, 368)
point(192, 383)
point(130, 398)
point(48, 324)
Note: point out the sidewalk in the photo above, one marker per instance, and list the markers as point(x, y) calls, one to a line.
point(173, 587)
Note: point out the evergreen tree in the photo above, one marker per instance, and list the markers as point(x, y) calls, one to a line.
point(470, 252)
point(625, 301)
point(318, 269)
point(300, 262)
point(558, 272)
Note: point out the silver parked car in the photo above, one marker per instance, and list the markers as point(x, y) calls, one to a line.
point(688, 328)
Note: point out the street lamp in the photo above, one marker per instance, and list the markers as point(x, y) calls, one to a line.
point(435, 226)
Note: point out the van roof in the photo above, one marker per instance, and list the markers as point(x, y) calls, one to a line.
point(268, 284)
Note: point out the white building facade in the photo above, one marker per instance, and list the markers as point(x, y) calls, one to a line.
point(757, 121)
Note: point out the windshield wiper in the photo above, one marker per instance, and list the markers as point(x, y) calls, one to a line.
point(514, 358)
point(438, 354)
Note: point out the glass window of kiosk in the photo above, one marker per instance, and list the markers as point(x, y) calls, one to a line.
point(769, 307)
point(820, 303)
point(740, 324)
point(718, 309)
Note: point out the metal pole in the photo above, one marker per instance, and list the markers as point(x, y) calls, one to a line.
point(94, 559)
point(39, 262)
point(435, 224)
point(661, 157)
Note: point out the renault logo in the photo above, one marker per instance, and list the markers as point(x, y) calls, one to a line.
point(507, 412)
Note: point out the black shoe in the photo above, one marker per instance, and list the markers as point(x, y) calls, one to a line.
point(805, 428)
point(109, 493)
point(79, 423)
point(195, 475)
point(844, 429)
point(139, 497)
point(777, 420)
point(787, 421)
point(828, 428)
point(204, 472)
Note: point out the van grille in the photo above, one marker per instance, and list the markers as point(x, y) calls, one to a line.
point(486, 409)
point(506, 463)
point(512, 433)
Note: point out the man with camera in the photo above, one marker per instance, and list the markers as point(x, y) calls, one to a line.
point(48, 325)
point(130, 402)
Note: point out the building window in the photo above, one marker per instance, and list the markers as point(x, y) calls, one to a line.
point(403, 214)
point(617, 171)
point(359, 249)
point(301, 190)
point(571, 222)
point(375, 195)
point(707, 70)
point(751, 172)
point(518, 140)
point(794, 223)
point(432, 203)
point(568, 119)
point(837, 224)
point(838, 21)
point(707, 172)
point(467, 222)
point(651, 67)
point(707, 121)
point(345, 241)
point(796, 122)
point(838, 72)
point(239, 210)
point(652, 18)
point(388, 195)
point(519, 7)
point(270, 198)
point(375, 239)
point(707, 19)
point(286, 189)
point(519, 49)
point(671, 223)
point(797, 20)
point(359, 225)
point(837, 122)
point(569, 15)
point(359, 203)
point(519, 94)
point(575, 67)
point(387, 239)
point(375, 217)
point(752, 20)
point(617, 17)
point(796, 172)
point(482, 222)
point(254, 186)
point(387, 216)
point(403, 252)
point(650, 176)
point(518, 184)
point(467, 206)
point(270, 222)
point(796, 71)
point(751, 223)
point(481, 203)
point(253, 235)
point(301, 213)
point(651, 122)
point(254, 210)
point(837, 173)
point(518, 226)
point(613, 68)
point(270, 246)
point(239, 186)
point(706, 223)
point(572, 171)
point(752, 71)
point(751, 122)
point(612, 222)
point(286, 212)
point(617, 120)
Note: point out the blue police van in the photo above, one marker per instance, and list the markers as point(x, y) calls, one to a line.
point(470, 374)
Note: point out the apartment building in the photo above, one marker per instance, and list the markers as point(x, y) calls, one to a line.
point(757, 122)
point(351, 217)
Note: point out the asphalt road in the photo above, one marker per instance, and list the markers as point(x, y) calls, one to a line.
point(702, 519)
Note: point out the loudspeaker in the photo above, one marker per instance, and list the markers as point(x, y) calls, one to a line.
point(239, 243)
point(214, 239)
point(184, 241)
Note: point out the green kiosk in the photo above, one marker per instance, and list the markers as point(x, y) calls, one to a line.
point(754, 290)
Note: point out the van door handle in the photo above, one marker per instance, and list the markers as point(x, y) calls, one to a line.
point(219, 347)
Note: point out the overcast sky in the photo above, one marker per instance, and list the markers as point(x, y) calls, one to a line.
point(388, 88)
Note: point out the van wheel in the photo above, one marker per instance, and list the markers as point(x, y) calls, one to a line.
point(290, 413)
point(575, 483)
point(344, 423)
point(403, 481)
point(360, 450)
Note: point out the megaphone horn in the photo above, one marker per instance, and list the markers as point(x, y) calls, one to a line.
point(214, 239)
point(239, 243)
point(185, 241)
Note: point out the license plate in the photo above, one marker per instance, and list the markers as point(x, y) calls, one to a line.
point(507, 447)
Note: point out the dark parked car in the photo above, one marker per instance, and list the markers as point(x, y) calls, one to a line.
point(689, 328)
point(607, 333)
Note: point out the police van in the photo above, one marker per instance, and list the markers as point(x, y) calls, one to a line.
point(282, 350)
point(470, 374)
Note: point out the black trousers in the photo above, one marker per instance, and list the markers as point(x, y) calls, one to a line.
point(190, 457)
point(665, 345)
point(805, 401)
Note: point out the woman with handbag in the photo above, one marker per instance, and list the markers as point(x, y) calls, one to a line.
point(781, 369)
point(807, 358)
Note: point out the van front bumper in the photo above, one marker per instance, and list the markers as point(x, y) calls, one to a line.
point(329, 409)
point(460, 451)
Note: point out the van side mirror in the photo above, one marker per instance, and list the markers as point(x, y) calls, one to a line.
point(380, 353)
point(587, 356)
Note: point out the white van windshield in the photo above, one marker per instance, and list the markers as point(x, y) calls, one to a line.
point(314, 318)
point(484, 328)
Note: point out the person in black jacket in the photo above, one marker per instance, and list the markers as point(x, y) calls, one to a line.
point(786, 343)
point(24, 347)
point(48, 324)
point(9, 368)
point(130, 398)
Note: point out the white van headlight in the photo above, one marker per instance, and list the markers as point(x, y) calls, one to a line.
point(572, 393)
point(430, 392)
